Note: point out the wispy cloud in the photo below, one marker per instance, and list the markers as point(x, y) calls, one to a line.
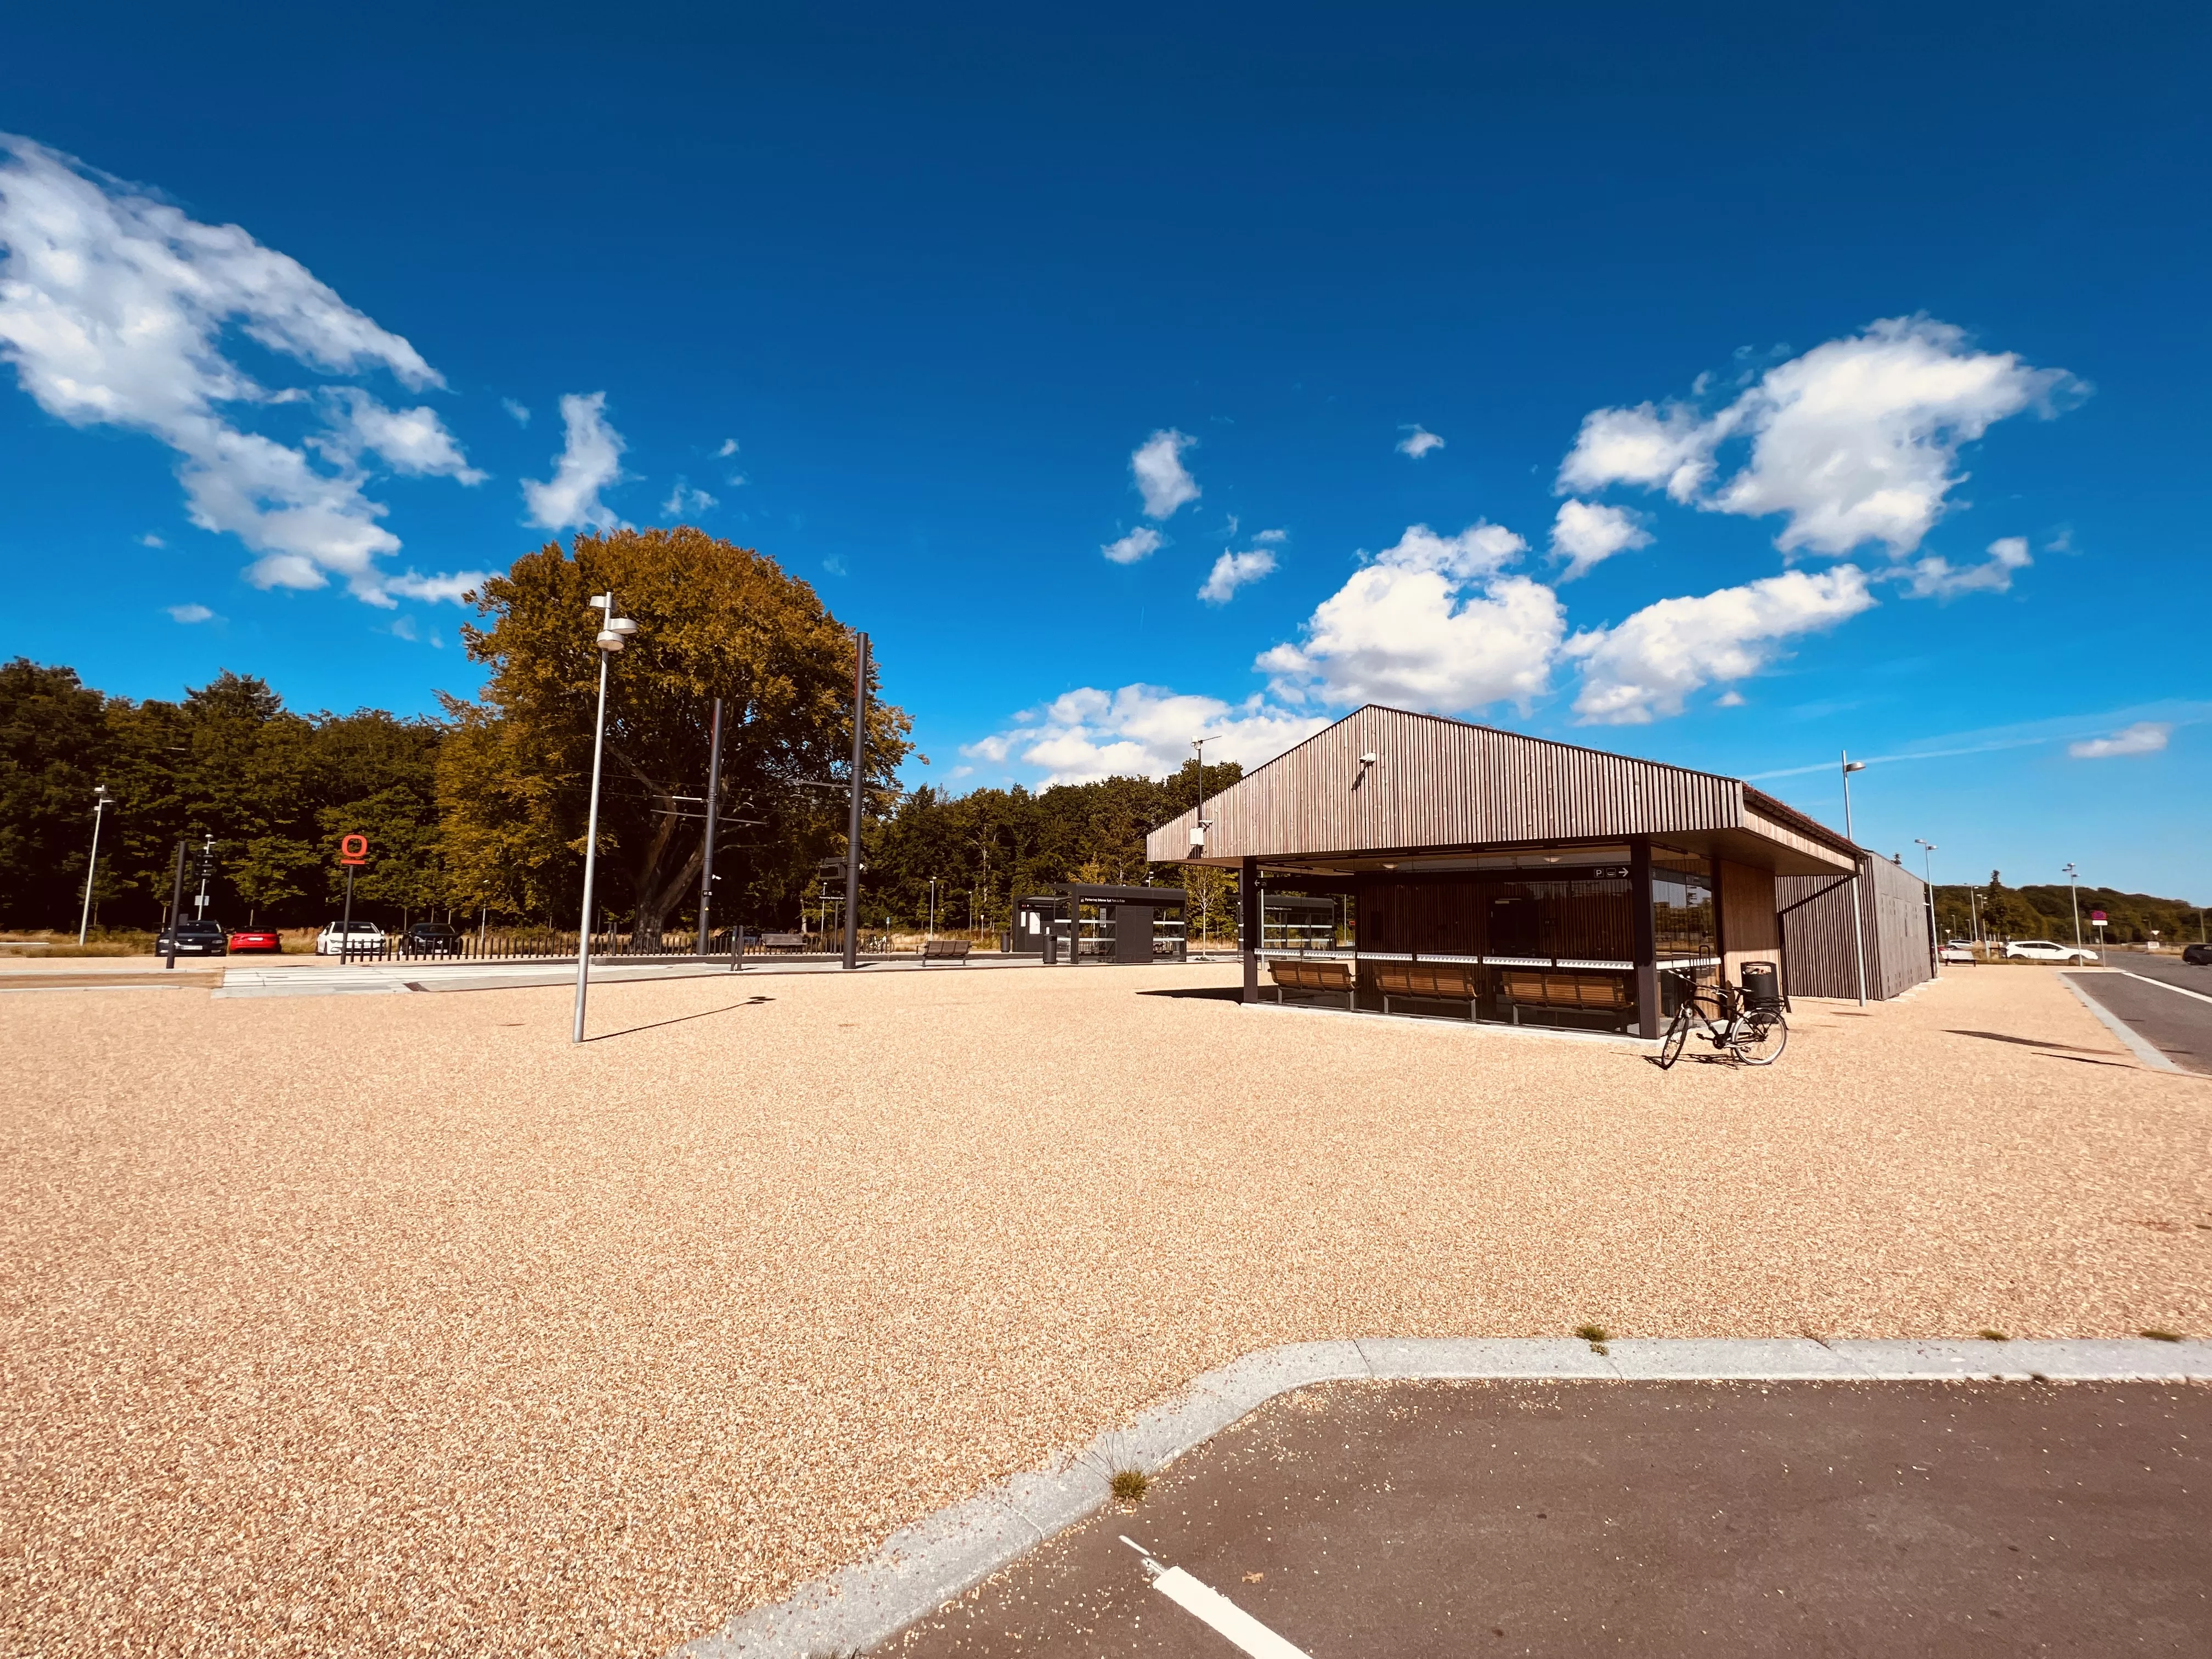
point(451, 588)
point(1417, 441)
point(590, 461)
point(520, 411)
point(2170, 714)
point(150, 539)
point(2143, 737)
point(1138, 730)
point(1935, 577)
point(1856, 442)
point(1140, 543)
point(729, 448)
point(683, 502)
point(1234, 570)
point(113, 309)
point(190, 613)
point(1156, 465)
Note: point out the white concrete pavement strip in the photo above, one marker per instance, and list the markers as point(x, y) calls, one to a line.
point(402, 978)
point(922, 1566)
point(2143, 1051)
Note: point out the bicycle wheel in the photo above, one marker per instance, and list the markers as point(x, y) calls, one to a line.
point(1678, 1033)
point(1759, 1038)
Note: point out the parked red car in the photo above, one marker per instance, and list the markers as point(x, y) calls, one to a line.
point(255, 939)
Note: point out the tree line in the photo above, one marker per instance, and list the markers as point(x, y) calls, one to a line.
point(2045, 910)
point(481, 809)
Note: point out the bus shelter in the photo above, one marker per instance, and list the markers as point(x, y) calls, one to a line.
point(1072, 923)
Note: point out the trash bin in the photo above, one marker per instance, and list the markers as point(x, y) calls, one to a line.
point(1762, 985)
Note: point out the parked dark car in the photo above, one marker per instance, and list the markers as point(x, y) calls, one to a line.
point(195, 936)
point(431, 939)
point(256, 939)
point(2198, 956)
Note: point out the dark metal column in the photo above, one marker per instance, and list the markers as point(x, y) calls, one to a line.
point(860, 782)
point(707, 862)
point(1248, 898)
point(1646, 954)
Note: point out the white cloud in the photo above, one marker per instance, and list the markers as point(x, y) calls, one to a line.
point(1266, 537)
point(1647, 666)
point(729, 448)
point(683, 502)
point(150, 539)
point(1142, 543)
point(834, 565)
point(403, 628)
point(1586, 535)
point(591, 461)
point(414, 441)
point(1234, 570)
point(113, 309)
point(190, 613)
point(1432, 623)
point(1856, 442)
point(1157, 465)
point(1139, 730)
point(1419, 441)
point(453, 587)
point(520, 411)
point(1934, 576)
point(2143, 737)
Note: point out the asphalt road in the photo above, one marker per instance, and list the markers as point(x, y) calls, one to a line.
point(2179, 1027)
point(1712, 1520)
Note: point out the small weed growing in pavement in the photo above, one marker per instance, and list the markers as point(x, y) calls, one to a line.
point(1993, 1336)
point(1130, 1485)
point(2157, 1335)
point(1593, 1334)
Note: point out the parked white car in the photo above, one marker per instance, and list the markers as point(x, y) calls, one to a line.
point(2042, 950)
point(358, 938)
point(1957, 950)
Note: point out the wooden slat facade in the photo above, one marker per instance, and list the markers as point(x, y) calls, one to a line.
point(1815, 914)
point(1438, 784)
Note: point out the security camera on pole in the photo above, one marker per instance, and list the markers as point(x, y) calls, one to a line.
point(617, 629)
point(1858, 933)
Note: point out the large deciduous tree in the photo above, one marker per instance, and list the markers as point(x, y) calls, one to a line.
point(713, 620)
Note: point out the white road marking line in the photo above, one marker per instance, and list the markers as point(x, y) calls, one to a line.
point(2178, 990)
point(1214, 1610)
point(2112, 1023)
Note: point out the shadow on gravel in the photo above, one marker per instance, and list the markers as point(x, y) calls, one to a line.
point(1203, 994)
point(703, 1013)
point(2029, 1043)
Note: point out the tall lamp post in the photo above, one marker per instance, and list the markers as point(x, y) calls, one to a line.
point(2074, 892)
point(92, 869)
point(616, 630)
point(1858, 930)
point(1928, 871)
point(860, 783)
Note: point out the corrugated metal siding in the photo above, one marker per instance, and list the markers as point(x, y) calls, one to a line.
point(1444, 783)
point(1817, 935)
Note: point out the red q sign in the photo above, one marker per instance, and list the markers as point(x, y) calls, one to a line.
point(354, 849)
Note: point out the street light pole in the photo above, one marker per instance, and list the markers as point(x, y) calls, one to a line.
point(860, 782)
point(932, 907)
point(1927, 872)
point(2074, 892)
point(609, 641)
point(92, 869)
point(1198, 828)
point(1858, 929)
point(707, 859)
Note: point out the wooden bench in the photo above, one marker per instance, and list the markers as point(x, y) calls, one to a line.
point(781, 942)
point(946, 949)
point(1593, 993)
point(1428, 981)
point(1326, 978)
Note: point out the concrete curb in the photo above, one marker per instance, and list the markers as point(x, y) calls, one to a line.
point(922, 1567)
point(2112, 1022)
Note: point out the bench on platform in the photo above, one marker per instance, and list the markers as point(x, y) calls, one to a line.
point(1428, 981)
point(781, 942)
point(1327, 978)
point(946, 949)
point(1591, 993)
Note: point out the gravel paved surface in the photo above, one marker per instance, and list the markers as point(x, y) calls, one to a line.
point(394, 1324)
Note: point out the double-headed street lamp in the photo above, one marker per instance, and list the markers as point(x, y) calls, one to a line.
point(92, 869)
point(613, 632)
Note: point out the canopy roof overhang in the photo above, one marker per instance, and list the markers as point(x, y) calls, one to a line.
point(1383, 789)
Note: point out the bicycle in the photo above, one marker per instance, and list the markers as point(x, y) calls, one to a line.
point(1754, 1034)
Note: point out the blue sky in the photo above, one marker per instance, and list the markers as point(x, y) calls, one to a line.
point(1800, 384)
